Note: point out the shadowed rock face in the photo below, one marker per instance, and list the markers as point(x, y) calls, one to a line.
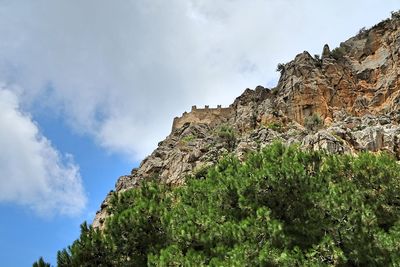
point(346, 102)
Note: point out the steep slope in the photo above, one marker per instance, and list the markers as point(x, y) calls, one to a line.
point(345, 101)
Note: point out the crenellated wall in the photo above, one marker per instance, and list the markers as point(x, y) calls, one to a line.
point(205, 115)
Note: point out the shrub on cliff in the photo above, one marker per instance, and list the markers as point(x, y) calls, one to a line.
point(280, 68)
point(313, 122)
point(276, 126)
point(338, 53)
point(228, 135)
point(281, 207)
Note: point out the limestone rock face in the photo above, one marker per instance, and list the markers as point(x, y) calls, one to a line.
point(350, 96)
point(360, 77)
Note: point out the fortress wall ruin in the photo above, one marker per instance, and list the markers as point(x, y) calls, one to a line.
point(205, 115)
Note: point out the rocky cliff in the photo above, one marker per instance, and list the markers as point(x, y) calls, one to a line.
point(345, 101)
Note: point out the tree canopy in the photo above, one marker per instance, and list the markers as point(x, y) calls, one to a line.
point(282, 206)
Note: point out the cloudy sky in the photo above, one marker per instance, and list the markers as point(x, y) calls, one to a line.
point(88, 88)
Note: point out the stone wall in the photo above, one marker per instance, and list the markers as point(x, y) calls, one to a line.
point(205, 115)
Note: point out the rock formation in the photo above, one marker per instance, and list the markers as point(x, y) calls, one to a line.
point(346, 101)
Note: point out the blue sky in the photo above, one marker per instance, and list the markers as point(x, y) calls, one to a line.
point(88, 89)
point(25, 235)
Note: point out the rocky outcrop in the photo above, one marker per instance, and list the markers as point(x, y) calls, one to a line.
point(360, 77)
point(346, 101)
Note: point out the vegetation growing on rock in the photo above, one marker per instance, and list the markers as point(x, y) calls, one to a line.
point(228, 135)
point(338, 53)
point(280, 68)
point(313, 122)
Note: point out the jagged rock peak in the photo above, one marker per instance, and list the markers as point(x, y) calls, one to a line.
point(360, 77)
point(326, 52)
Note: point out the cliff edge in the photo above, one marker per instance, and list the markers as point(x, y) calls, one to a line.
point(345, 101)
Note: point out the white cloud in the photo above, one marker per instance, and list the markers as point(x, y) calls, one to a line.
point(32, 172)
point(120, 71)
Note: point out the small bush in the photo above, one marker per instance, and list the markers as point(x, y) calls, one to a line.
point(275, 126)
point(188, 138)
point(313, 122)
point(227, 133)
point(280, 68)
point(274, 91)
point(201, 171)
point(338, 53)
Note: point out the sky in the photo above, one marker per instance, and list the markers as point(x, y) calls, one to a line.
point(88, 88)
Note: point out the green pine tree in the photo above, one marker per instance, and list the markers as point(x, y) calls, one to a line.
point(282, 206)
point(41, 263)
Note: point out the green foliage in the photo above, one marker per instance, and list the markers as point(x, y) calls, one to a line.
point(41, 263)
point(275, 126)
point(91, 249)
point(281, 207)
point(280, 68)
point(274, 91)
point(338, 52)
point(201, 171)
point(313, 122)
point(138, 230)
point(188, 138)
point(228, 134)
